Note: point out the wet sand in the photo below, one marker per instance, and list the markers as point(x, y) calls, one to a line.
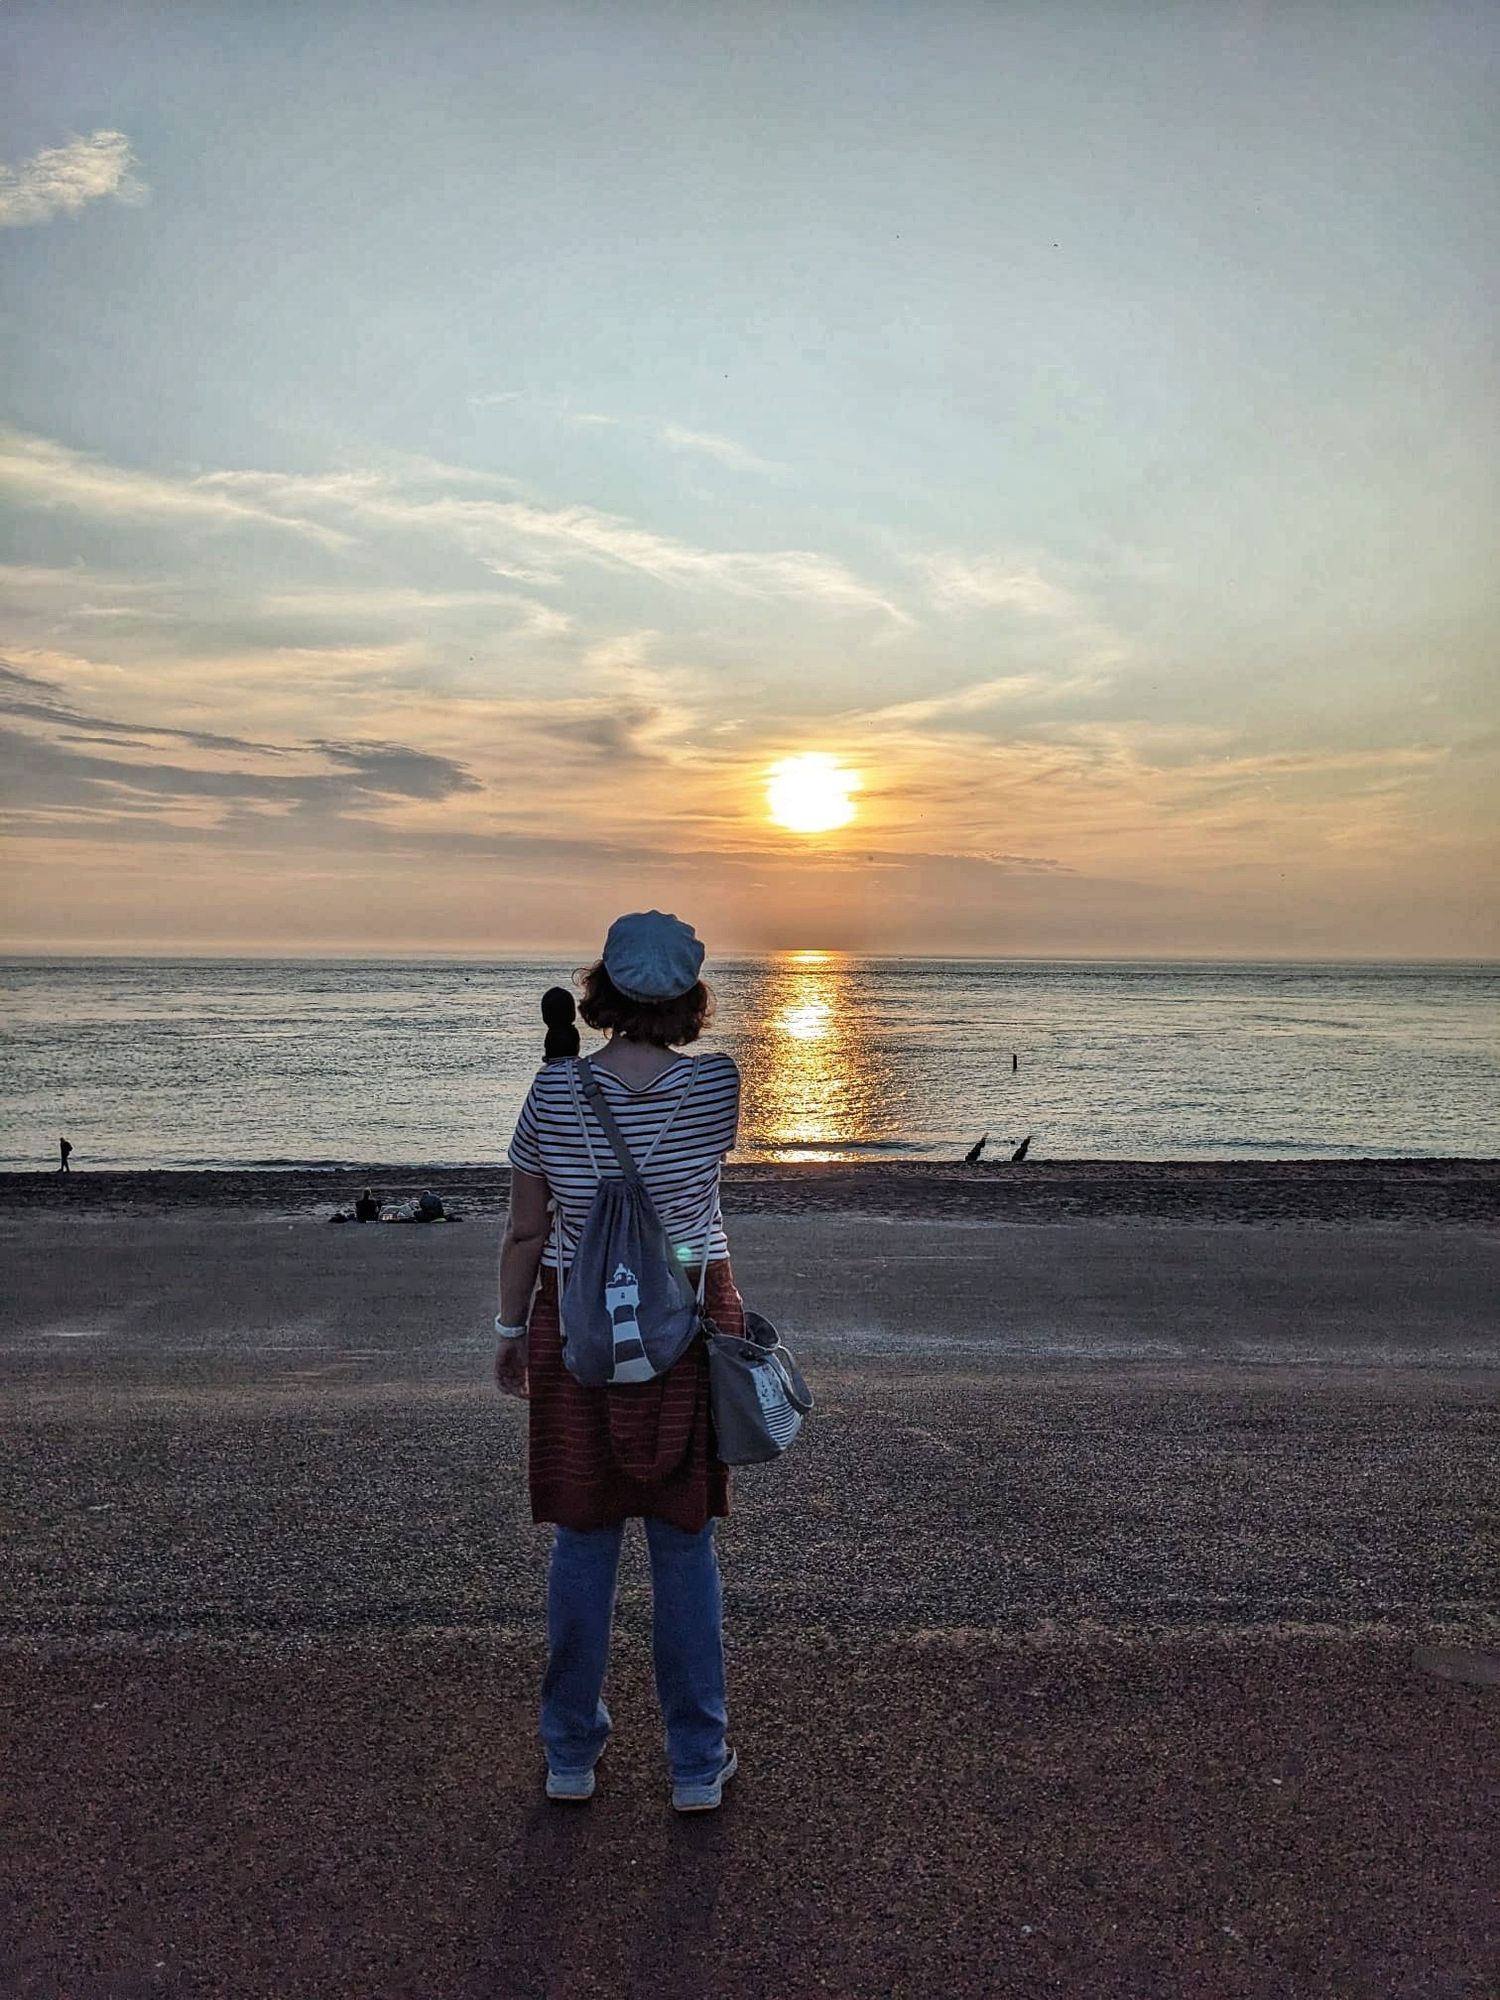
point(1124, 1625)
point(1415, 1192)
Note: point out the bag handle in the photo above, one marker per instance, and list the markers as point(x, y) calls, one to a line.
point(790, 1373)
point(788, 1370)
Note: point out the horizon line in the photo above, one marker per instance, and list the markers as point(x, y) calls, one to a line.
point(552, 954)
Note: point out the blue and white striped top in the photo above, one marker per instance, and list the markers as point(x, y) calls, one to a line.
point(678, 1128)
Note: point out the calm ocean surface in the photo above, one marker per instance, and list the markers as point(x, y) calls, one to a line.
point(217, 1063)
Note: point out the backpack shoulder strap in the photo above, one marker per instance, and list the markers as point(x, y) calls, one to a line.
point(682, 1099)
point(573, 1071)
point(589, 1084)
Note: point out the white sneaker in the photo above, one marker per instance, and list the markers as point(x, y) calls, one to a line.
point(570, 1785)
point(705, 1798)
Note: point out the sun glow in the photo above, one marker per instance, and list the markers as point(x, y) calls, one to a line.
point(810, 793)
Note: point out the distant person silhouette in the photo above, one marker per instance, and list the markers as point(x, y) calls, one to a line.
point(1015, 1062)
point(971, 1158)
point(367, 1208)
point(559, 1011)
point(64, 1147)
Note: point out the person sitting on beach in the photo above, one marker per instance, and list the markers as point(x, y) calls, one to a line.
point(367, 1208)
point(558, 1011)
point(600, 1457)
point(425, 1207)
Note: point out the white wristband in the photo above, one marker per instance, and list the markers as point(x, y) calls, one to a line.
point(508, 1332)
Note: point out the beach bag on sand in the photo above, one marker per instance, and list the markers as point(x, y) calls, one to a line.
point(627, 1308)
point(757, 1392)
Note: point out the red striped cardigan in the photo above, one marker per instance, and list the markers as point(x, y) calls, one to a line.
point(598, 1456)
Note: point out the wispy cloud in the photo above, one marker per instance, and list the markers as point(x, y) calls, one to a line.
point(381, 602)
point(53, 763)
point(211, 610)
point(506, 535)
point(975, 697)
point(37, 697)
point(625, 653)
point(585, 534)
point(59, 180)
point(76, 591)
point(41, 473)
point(677, 437)
point(966, 583)
point(527, 573)
point(724, 449)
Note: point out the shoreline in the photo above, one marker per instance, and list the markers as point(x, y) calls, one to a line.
point(1421, 1192)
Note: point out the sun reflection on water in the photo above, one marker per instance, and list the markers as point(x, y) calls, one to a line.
point(809, 1023)
point(815, 1087)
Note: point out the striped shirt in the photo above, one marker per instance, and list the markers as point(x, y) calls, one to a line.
point(678, 1128)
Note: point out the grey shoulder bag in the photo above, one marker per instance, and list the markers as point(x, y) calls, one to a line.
point(759, 1397)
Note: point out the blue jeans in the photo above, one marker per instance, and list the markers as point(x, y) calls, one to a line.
point(687, 1643)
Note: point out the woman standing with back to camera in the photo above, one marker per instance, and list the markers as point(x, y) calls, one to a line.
point(596, 1456)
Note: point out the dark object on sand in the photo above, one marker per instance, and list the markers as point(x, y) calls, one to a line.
point(1020, 1152)
point(426, 1208)
point(367, 1208)
point(559, 1010)
point(1015, 1062)
point(972, 1156)
point(64, 1147)
point(338, 1215)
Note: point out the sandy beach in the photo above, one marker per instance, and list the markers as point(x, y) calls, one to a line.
point(1125, 1624)
point(1306, 1191)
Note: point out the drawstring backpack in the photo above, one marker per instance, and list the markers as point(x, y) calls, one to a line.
point(626, 1306)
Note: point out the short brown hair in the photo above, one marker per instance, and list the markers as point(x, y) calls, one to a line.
point(667, 1023)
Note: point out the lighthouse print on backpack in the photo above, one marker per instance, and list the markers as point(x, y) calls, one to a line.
point(623, 1297)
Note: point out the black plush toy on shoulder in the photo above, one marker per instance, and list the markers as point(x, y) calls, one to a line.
point(558, 1011)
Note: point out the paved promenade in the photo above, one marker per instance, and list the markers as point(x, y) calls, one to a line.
point(1124, 1626)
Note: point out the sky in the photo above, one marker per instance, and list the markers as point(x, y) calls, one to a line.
point(449, 454)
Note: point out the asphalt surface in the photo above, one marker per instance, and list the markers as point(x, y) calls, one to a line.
point(1123, 1625)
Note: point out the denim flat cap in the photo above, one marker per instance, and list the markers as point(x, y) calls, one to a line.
point(651, 956)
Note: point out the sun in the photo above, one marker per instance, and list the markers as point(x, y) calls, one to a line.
point(810, 793)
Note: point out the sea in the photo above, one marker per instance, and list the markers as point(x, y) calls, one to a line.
point(264, 1063)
